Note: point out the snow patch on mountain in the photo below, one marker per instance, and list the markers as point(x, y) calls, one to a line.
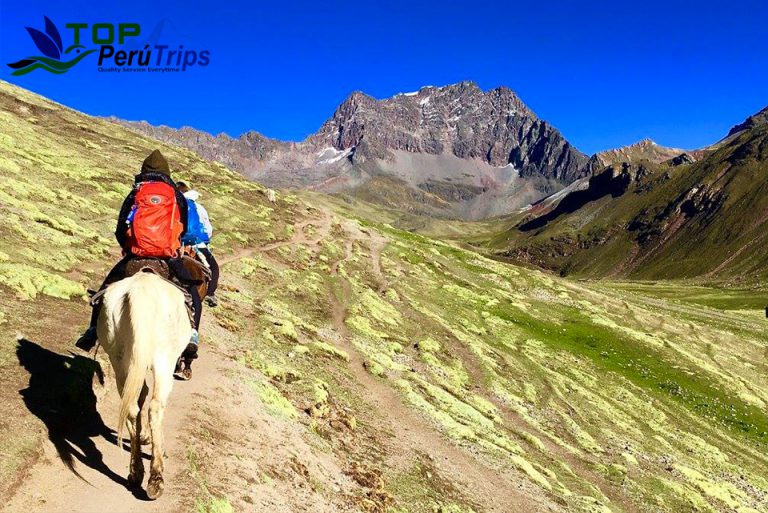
point(330, 155)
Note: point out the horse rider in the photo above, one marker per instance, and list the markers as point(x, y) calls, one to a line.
point(152, 221)
point(198, 236)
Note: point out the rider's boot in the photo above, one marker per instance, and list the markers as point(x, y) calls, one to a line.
point(190, 353)
point(88, 339)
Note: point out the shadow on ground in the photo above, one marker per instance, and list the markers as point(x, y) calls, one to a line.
point(60, 394)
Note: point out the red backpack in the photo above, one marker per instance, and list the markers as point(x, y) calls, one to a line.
point(155, 226)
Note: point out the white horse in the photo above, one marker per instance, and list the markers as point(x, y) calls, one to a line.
point(143, 325)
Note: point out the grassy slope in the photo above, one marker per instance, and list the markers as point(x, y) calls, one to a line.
point(593, 396)
point(723, 244)
point(349, 206)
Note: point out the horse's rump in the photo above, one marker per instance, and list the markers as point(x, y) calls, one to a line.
point(143, 317)
point(198, 275)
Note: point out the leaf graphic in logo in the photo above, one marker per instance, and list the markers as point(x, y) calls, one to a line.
point(50, 45)
point(44, 43)
point(22, 63)
point(53, 33)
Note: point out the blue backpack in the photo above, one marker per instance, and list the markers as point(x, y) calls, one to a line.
point(195, 233)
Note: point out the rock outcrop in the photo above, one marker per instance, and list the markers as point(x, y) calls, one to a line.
point(495, 127)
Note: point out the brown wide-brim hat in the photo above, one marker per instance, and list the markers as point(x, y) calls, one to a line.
point(155, 163)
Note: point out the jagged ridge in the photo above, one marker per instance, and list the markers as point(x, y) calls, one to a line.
point(458, 126)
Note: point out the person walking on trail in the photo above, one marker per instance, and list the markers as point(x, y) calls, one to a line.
point(198, 235)
point(151, 223)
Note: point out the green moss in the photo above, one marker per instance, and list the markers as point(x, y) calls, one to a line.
point(320, 407)
point(722, 491)
point(373, 307)
point(274, 402)
point(375, 368)
point(214, 505)
point(363, 326)
point(429, 345)
point(646, 366)
point(451, 427)
point(288, 329)
point(28, 282)
point(330, 350)
point(252, 264)
point(275, 369)
point(392, 295)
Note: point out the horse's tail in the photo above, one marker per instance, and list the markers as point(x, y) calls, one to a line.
point(140, 308)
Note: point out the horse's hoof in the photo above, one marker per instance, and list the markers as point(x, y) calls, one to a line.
point(155, 486)
point(135, 479)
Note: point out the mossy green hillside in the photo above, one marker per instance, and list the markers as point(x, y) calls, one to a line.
point(704, 222)
point(588, 390)
point(590, 396)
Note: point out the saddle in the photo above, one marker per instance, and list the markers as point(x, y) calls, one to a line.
point(148, 265)
point(199, 272)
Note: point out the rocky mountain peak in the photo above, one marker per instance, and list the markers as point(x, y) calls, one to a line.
point(356, 100)
point(460, 119)
point(645, 149)
point(470, 151)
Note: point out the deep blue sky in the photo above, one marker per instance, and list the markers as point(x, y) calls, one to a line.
point(604, 73)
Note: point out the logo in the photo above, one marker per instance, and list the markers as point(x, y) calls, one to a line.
point(54, 56)
point(161, 52)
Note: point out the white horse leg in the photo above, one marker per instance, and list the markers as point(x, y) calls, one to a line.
point(120, 375)
point(135, 428)
point(163, 374)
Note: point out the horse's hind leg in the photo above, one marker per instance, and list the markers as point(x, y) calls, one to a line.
point(162, 389)
point(136, 430)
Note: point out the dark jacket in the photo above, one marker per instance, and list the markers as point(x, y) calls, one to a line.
point(121, 231)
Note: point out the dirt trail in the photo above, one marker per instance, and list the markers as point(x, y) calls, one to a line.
point(100, 485)
point(51, 487)
point(214, 422)
point(493, 488)
point(299, 237)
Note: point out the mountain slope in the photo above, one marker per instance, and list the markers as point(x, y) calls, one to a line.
point(357, 367)
point(453, 151)
point(758, 119)
point(706, 219)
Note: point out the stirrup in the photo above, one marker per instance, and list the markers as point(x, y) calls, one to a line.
point(87, 340)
